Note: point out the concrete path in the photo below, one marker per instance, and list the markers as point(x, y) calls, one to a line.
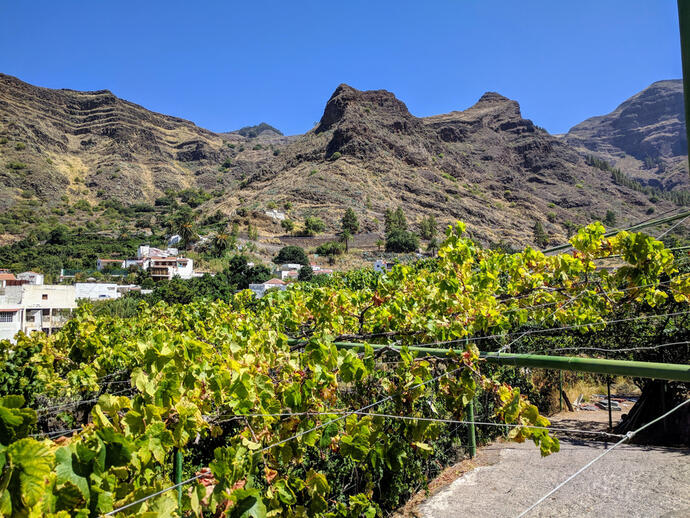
point(631, 481)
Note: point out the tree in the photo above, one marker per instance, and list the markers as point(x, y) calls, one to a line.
point(349, 222)
point(291, 254)
point(379, 243)
point(395, 220)
point(610, 219)
point(330, 249)
point(305, 273)
point(541, 239)
point(344, 238)
point(221, 242)
point(182, 223)
point(252, 232)
point(427, 227)
point(288, 225)
point(313, 225)
point(432, 247)
point(401, 241)
point(59, 235)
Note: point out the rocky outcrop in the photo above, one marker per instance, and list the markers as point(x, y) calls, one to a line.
point(644, 136)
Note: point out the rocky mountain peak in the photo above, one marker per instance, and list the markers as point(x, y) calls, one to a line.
point(348, 104)
point(644, 136)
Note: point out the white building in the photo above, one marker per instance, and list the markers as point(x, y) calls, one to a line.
point(146, 251)
point(32, 307)
point(31, 277)
point(6, 276)
point(161, 264)
point(288, 271)
point(383, 266)
point(102, 264)
point(102, 290)
point(168, 267)
point(261, 289)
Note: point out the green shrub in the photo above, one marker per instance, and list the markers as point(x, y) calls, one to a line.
point(15, 166)
point(313, 225)
point(20, 146)
point(541, 239)
point(610, 219)
point(335, 156)
point(3, 141)
point(401, 241)
point(330, 249)
point(83, 205)
point(288, 225)
point(257, 147)
point(291, 254)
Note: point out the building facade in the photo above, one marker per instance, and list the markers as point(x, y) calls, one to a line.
point(31, 307)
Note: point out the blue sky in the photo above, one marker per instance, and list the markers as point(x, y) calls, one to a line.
point(227, 64)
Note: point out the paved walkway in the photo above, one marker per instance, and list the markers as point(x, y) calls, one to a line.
point(631, 481)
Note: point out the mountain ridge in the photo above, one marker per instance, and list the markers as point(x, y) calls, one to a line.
point(486, 165)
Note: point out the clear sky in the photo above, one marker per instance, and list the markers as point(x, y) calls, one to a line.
point(227, 64)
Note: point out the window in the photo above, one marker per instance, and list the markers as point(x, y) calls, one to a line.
point(6, 316)
point(44, 296)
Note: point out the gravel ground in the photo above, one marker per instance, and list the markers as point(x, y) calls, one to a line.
point(631, 481)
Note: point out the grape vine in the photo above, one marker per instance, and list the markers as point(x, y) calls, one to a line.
point(225, 374)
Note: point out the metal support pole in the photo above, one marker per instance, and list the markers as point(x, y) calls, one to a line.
point(560, 391)
point(472, 436)
point(178, 476)
point(661, 371)
point(684, 26)
point(608, 392)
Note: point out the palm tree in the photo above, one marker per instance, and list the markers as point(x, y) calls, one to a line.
point(186, 231)
point(221, 242)
point(344, 238)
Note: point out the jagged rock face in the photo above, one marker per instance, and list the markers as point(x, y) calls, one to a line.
point(645, 136)
point(649, 124)
point(365, 124)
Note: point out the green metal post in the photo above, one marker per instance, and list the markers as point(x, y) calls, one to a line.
point(472, 436)
point(661, 371)
point(608, 392)
point(684, 25)
point(178, 477)
point(560, 391)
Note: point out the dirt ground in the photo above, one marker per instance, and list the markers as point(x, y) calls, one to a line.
point(506, 478)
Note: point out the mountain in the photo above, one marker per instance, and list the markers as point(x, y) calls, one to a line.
point(644, 136)
point(486, 165)
point(260, 130)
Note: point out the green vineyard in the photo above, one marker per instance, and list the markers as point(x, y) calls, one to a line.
point(265, 416)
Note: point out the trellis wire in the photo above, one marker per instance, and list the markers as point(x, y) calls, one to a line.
point(283, 441)
point(627, 437)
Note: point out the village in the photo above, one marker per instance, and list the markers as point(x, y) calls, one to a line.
point(28, 304)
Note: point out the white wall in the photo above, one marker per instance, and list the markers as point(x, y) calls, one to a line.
point(32, 277)
point(96, 291)
point(9, 329)
point(48, 296)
